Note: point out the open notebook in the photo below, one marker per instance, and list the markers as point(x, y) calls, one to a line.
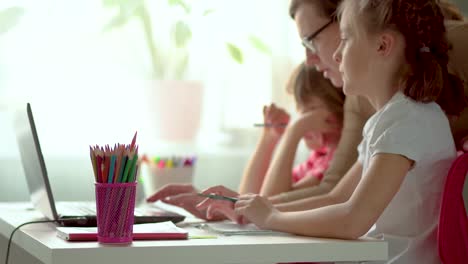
point(226, 228)
point(229, 228)
point(152, 231)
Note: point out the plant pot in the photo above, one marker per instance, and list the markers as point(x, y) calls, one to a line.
point(175, 109)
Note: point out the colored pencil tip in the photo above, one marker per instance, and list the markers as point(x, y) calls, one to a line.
point(133, 140)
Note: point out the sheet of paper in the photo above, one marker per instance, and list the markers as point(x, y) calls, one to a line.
point(190, 219)
point(229, 228)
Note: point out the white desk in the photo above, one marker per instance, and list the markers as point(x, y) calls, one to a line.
point(40, 241)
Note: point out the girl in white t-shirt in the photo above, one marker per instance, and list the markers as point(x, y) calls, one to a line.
point(394, 53)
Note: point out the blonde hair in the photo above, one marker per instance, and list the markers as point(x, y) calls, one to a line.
point(328, 8)
point(421, 22)
point(306, 82)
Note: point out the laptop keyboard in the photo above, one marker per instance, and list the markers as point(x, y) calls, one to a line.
point(76, 208)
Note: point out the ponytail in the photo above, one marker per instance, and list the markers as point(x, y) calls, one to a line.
point(429, 80)
point(426, 72)
point(453, 99)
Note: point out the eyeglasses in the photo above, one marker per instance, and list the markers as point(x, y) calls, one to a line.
point(308, 41)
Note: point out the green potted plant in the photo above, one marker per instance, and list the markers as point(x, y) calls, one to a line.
point(173, 95)
point(9, 17)
point(170, 64)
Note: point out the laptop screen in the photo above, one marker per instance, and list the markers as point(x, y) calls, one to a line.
point(38, 182)
point(33, 163)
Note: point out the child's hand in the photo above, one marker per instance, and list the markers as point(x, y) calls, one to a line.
point(171, 190)
point(276, 116)
point(319, 120)
point(214, 208)
point(185, 196)
point(189, 202)
point(255, 209)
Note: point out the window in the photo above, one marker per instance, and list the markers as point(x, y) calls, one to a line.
point(88, 86)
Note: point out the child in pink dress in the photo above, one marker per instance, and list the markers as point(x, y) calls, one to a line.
point(314, 166)
point(270, 169)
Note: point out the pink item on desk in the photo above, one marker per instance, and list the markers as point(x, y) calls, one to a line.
point(189, 162)
point(161, 164)
point(150, 231)
point(115, 206)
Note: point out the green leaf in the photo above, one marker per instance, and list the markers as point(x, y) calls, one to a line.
point(208, 11)
point(182, 34)
point(116, 22)
point(235, 53)
point(159, 67)
point(9, 18)
point(181, 67)
point(180, 3)
point(259, 45)
point(122, 3)
point(111, 3)
point(125, 7)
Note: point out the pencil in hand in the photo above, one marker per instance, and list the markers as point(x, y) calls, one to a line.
point(270, 125)
point(218, 197)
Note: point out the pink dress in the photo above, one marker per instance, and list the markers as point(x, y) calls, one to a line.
point(315, 165)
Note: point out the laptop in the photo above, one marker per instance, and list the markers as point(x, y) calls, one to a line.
point(64, 213)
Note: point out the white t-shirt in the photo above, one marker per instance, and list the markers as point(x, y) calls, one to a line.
point(421, 133)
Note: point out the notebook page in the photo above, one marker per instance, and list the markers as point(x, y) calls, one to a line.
point(228, 228)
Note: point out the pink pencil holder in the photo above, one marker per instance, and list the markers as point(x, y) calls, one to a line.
point(115, 206)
